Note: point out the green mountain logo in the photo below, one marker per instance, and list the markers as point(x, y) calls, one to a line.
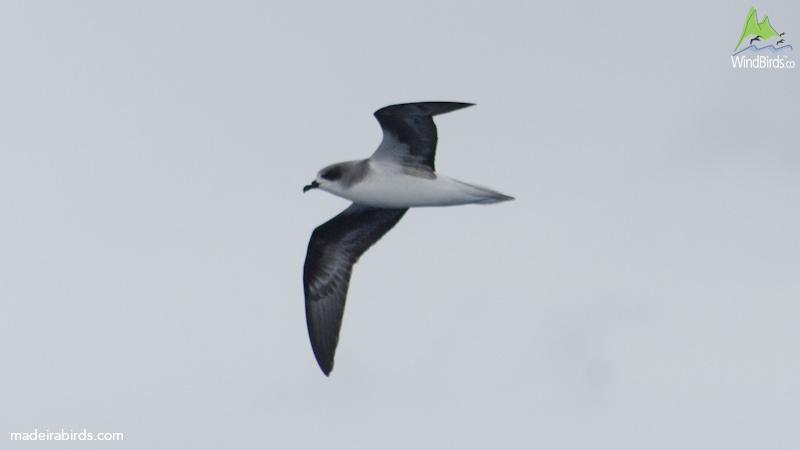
point(760, 35)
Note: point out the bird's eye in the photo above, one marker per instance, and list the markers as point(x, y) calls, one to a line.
point(332, 174)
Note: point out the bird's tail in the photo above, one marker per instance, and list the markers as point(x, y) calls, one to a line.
point(485, 196)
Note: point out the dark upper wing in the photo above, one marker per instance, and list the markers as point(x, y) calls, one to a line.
point(409, 134)
point(333, 249)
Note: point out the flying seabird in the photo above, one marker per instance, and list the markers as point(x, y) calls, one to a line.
point(779, 42)
point(399, 175)
point(757, 38)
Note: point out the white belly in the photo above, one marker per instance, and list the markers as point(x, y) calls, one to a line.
point(392, 188)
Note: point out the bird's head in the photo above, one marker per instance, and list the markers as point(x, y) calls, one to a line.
point(327, 178)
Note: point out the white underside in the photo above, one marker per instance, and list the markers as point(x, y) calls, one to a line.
point(389, 186)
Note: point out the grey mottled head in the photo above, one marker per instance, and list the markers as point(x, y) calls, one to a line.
point(339, 176)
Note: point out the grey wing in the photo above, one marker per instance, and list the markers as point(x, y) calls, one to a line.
point(333, 249)
point(409, 134)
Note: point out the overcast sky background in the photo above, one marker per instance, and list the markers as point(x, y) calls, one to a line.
point(643, 291)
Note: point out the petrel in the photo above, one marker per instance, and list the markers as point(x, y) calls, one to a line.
point(399, 175)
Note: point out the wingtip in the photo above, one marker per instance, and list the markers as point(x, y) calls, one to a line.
point(421, 108)
point(326, 369)
point(324, 361)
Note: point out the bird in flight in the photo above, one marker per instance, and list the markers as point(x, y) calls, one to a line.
point(399, 175)
point(757, 38)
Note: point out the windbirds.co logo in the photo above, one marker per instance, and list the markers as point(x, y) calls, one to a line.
point(760, 37)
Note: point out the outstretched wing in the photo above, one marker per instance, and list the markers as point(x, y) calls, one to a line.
point(409, 134)
point(333, 249)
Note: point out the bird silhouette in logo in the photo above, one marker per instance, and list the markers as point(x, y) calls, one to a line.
point(757, 38)
point(779, 42)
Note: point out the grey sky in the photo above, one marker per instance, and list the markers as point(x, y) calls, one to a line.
point(641, 292)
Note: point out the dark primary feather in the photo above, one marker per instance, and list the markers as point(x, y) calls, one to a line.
point(412, 124)
point(333, 249)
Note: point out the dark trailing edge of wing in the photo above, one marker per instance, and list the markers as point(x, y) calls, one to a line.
point(332, 250)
